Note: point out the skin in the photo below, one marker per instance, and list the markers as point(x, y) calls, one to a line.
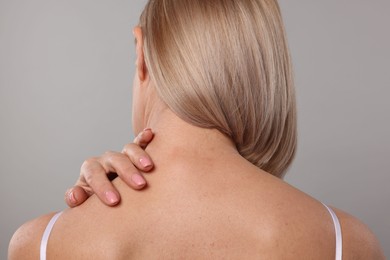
point(126, 164)
point(202, 201)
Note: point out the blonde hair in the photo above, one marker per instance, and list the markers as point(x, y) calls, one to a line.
point(224, 64)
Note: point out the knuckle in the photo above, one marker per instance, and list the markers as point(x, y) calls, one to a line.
point(112, 157)
point(88, 175)
point(129, 148)
point(109, 158)
point(108, 153)
point(87, 169)
point(88, 163)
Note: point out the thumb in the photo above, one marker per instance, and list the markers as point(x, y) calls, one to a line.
point(144, 138)
point(75, 196)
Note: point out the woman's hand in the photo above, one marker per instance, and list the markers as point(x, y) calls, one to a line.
point(96, 172)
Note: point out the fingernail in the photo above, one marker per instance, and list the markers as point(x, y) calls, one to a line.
point(145, 162)
point(147, 129)
point(137, 179)
point(72, 198)
point(111, 197)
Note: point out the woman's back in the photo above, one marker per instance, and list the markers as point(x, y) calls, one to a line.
point(214, 82)
point(203, 206)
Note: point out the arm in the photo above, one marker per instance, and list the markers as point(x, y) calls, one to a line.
point(26, 240)
point(96, 172)
point(358, 240)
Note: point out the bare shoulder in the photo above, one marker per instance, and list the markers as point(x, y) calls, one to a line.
point(310, 216)
point(26, 240)
point(358, 240)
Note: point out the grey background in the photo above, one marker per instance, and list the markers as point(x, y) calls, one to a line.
point(66, 69)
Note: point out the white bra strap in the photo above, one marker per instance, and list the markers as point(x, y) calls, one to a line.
point(46, 234)
point(339, 237)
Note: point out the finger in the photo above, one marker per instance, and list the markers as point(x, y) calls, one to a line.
point(95, 176)
point(121, 164)
point(76, 196)
point(144, 138)
point(138, 157)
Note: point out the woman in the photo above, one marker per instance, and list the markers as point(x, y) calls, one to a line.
point(214, 82)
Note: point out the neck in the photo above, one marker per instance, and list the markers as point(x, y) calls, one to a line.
point(177, 142)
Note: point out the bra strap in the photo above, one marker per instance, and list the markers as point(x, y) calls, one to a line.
point(339, 237)
point(46, 234)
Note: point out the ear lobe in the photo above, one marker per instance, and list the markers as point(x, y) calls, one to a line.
point(141, 66)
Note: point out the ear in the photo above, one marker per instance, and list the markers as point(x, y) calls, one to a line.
point(141, 66)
